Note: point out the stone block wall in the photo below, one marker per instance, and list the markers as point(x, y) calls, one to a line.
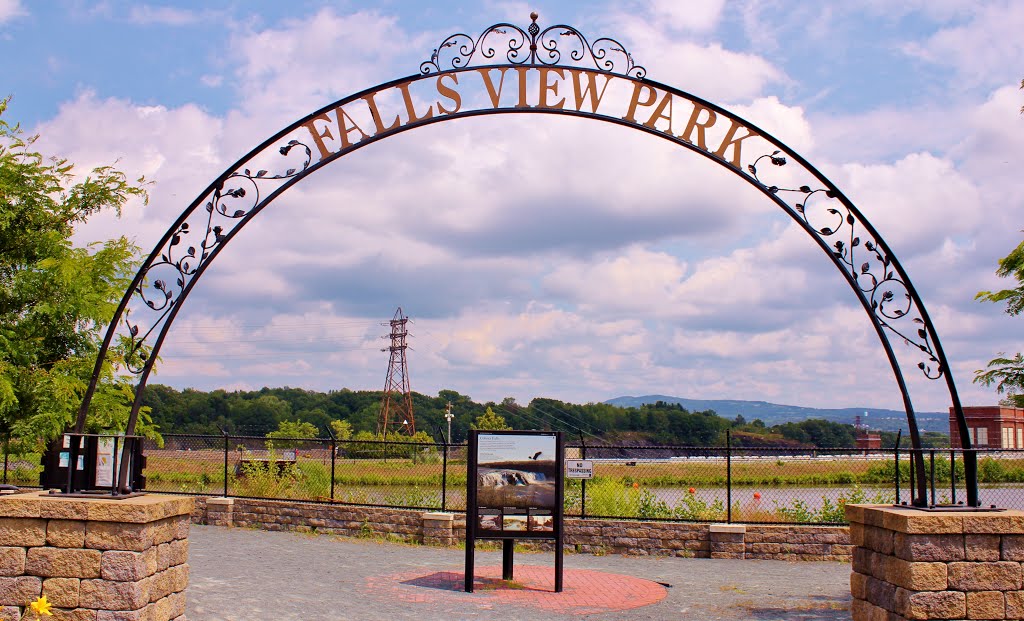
point(802, 543)
point(911, 564)
point(808, 543)
point(344, 520)
point(95, 560)
point(438, 528)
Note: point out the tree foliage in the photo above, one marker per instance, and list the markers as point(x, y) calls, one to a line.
point(1007, 373)
point(55, 297)
point(289, 430)
point(1008, 376)
point(490, 421)
point(1010, 266)
point(352, 414)
point(342, 429)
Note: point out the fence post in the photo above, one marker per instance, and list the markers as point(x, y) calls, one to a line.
point(931, 460)
point(226, 441)
point(952, 476)
point(7, 452)
point(913, 476)
point(728, 477)
point(583, 482)
point(899, 435)
point(444, 470)
point(334, 452)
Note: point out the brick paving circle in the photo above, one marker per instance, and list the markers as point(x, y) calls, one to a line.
point(584, 591)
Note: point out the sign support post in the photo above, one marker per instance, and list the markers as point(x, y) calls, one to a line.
point(508, 550)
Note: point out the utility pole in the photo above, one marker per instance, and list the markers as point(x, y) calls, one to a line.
point(396, 407)
point(449, 416)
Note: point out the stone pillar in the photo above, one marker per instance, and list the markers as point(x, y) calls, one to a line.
point(438, 529)
point(727, 540)
point(220, 511)
point(95, 560)
point(912, 564)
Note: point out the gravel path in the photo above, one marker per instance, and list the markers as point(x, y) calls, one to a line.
point(251, 575)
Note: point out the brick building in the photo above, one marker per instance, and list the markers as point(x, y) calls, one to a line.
point(868, 440)
point(991, 426)
point(865, 439)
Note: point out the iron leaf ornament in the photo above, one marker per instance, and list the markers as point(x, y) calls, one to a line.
point(865, 259)
point(175, 265)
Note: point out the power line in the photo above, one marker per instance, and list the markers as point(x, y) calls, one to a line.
point(289, 326)
point(171, 354)
point(537, 421)
point(250, 341)
point(575, 428)
point(524, 412)
point(573, 416)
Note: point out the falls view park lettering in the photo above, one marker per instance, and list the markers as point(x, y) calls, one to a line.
point(394, 107)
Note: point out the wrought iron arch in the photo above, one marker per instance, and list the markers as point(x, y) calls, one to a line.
point(865, 260)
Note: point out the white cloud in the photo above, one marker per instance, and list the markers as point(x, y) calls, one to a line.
point(869, 136)
point(637, 279)
point(306, 63)
point(696, 15)
point(787, 123)
point(708, 70)
point(163, 15)
point(177, 150)
point(212, 81)
point(985, 49)
point(935, 10)
point(915, 203)
point(10, 10)
point(991, 139)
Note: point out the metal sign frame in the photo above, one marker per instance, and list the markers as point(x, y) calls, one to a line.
point(513, 494)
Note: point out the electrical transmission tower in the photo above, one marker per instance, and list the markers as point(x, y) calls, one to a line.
point(396, 408)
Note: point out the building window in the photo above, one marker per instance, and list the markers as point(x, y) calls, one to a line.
point(1006, 437)
point(1020, 437)
point(982, 436)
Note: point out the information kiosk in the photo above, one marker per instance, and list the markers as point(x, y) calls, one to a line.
point(514, 491)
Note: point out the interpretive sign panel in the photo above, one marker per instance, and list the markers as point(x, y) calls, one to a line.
point(516, 484)
point(106, 462)
point(514, 491)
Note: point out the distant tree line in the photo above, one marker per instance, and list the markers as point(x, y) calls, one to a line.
point(353, 414)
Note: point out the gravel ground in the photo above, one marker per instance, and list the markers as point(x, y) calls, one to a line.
point(251, 575)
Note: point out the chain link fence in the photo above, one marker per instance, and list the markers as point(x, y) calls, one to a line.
point(676, 483)
point(1000, 477)
point(720, 484)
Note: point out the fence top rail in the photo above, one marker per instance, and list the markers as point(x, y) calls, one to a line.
point(630, 447)
point(201, 436)
point(733, 449)
point(323, 441)
point(983, 450)
point(103, 435)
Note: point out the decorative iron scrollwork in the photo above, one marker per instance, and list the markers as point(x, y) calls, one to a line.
point(873, 271)
point(165, 277)
point(555, 45)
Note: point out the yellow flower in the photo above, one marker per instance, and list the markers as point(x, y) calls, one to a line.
point(41, 607)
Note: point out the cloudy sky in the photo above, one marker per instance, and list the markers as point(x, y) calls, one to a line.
point(552, 256)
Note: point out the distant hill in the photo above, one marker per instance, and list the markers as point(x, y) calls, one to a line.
point(775, 414)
